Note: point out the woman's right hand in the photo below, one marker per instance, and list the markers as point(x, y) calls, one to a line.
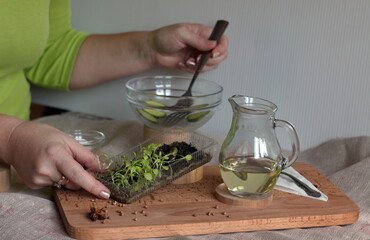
point(42, 155)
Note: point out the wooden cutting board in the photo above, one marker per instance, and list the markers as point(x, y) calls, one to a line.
point(192, 209)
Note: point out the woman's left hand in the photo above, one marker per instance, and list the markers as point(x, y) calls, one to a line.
point(105, 57)
point(179, 46)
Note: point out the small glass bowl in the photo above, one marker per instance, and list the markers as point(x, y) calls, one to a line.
point(90, 139)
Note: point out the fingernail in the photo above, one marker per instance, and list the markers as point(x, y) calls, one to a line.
point(191, 62)
point(104, 195)
point(216, 54)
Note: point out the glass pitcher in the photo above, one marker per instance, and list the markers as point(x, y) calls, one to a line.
point(250, 157)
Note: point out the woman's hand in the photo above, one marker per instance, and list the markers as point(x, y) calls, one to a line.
point(105, 57)
point(179, 47)
point(42, 155)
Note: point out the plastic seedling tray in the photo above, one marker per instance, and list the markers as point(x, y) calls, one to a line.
point(129, 194)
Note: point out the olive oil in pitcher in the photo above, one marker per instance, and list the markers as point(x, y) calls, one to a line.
point(246, 176)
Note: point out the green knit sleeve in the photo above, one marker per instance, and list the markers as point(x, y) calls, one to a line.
point(54, 68)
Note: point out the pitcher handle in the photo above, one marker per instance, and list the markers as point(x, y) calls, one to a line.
point(294, 139)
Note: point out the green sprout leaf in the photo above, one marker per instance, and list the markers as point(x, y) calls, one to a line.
point(148, 176)
point(188, 157)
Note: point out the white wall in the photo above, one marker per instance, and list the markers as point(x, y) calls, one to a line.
point(310, 57)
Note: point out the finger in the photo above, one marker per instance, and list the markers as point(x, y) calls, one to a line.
point(39, 182)
point(75, 172)
point(197, 42)
point(191, 69)
point(214, 62)
point(191, 62)
point(44, 174)
point(84, 156)
point(221, 48)
point(216, 56)
point(72, 186)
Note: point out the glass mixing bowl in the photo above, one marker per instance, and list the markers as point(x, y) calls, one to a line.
point(154, 101)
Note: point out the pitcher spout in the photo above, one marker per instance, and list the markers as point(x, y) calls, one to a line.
point(252, 105)
point(233, 100)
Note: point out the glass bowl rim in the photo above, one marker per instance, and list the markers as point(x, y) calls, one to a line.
point(97, 135)
point(171, 77)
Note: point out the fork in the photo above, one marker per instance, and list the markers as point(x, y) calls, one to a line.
point(174, 118)
point(311, 192)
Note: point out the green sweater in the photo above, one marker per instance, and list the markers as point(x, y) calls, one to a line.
point(37, 45)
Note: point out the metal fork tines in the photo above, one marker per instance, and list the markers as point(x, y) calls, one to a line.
point(174, 118)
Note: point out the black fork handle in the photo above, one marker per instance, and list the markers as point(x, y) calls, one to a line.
point(218, 30)
point(216, 34)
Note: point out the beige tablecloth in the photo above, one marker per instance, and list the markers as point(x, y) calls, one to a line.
point(31, 214)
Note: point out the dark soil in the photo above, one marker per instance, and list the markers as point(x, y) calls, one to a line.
point(182, 147)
